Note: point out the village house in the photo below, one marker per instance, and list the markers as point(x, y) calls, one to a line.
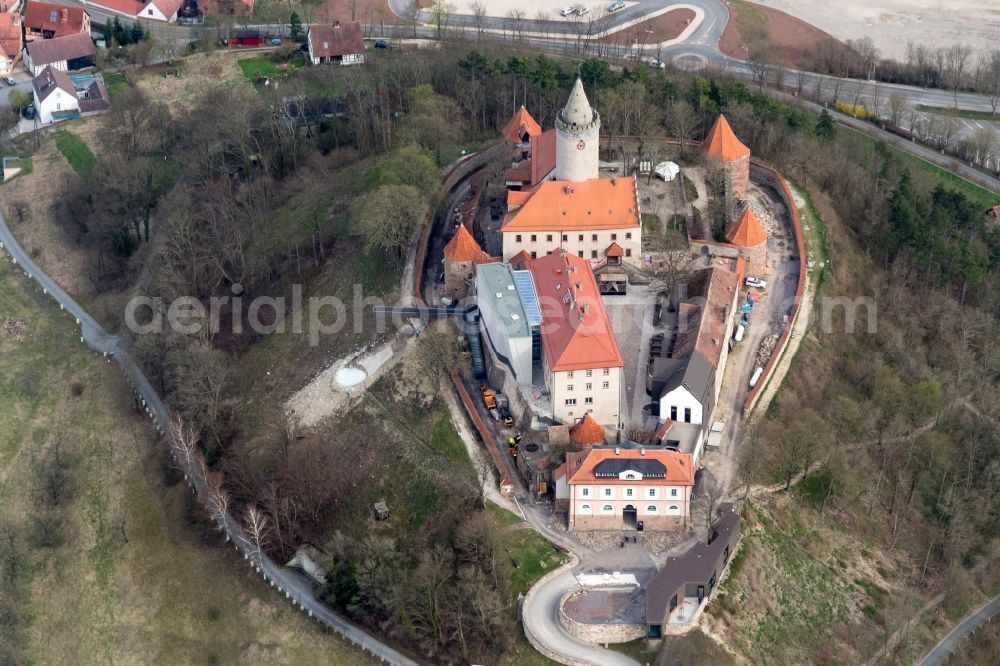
point(153, 10)
point(340, 42)
point(55, 95)
point(566, 205)
point(618, 488)
point(44, 20)
point(68, 53)
point(10, 41)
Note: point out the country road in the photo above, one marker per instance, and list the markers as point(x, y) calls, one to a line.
point(940, 652)
point(293, 584)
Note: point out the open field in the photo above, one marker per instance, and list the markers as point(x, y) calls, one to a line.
point(76, 152)
point(126, 580)
point(893, 23)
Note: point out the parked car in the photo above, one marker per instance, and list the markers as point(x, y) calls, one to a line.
point(581, 10)
point(616, 7)
point(276, 42)
point(755, 282)
point(29, 112)
point(566, 11)
point(656, 64)
point(9, 80)
point(381, 44)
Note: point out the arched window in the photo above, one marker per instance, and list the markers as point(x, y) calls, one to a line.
point(607, 507)
point(651, 509)
point(630, 476)
point(674, 508)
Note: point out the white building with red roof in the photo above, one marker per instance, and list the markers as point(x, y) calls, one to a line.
point(617, 488)
point(593, 218)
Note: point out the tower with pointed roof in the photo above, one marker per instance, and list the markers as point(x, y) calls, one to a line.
point(724, 150)
point(749, 236)
point(461, 254)
point(578, 129)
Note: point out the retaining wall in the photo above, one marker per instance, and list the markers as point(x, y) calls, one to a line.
point(598, 633)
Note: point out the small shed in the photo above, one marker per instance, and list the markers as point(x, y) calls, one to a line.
point(381, 510)
point(667, 171)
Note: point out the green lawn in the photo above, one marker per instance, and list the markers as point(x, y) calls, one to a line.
point(76, 152)
point(115, 82)
point(983, 197)
point(958, 113)
point(263, 66)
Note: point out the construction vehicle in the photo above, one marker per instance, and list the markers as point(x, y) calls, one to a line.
point(513, 443)
point(488, 398)
point(503, 408)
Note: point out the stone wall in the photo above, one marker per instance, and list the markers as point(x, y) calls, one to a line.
point(455, 274)
point(530, 635)
point(598, 633)
point(583, 522)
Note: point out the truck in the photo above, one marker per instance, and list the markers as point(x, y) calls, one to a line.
point(755, 377)
point(489, 399)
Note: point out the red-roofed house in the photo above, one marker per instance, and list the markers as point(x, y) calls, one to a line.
point(582, 362)
point(45, 20)
point(615, 488)
point(10, 41)
point(537, 165)
point(340, 42)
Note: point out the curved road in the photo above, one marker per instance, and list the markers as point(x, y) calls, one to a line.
point(293, 584)
point(940, 652)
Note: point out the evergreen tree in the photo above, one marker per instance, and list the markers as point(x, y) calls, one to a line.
point(295, 26)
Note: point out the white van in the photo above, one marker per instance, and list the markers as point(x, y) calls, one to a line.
point(740, 330)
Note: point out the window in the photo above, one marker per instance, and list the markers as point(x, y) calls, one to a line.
point(593, 254)
point(585, 492)
point(652, 492)
point(630, 476)
point(588, 401)
point(569, 387)
point(607, 507)
point(687, 415)
point(579, 253)
point(673, 507)
point(548, 238)
point(534, 238)
point(629, 492)
point(607, 492)
point(570, 401)
point(628, 252)
point(584, 507)
point(534, 255)
point(606, 384)
point(651, 508)
point(565, 238)
point(593, 237)
point(673, 492)
point(517, 238)
point(628, 235)
point(590, 373)
point(569, 375)
point(150, 12)
point(580, 238)
point(606, 371)
point(673, 412)
point(614, 237)
point(590, 387)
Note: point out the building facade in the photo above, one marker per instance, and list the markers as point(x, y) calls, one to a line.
point(615, 488)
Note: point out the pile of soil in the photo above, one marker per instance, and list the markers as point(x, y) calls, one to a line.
point(664, 27)
point(16, 328)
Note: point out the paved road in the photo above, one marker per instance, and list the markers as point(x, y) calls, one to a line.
point(940, 652)
point(293, 584)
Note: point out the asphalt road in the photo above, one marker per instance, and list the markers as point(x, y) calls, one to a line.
point(295, 586)
point(940, 652)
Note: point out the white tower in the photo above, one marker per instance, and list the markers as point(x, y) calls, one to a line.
point(578, 130)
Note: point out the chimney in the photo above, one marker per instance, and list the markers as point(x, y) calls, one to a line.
point(618, 451)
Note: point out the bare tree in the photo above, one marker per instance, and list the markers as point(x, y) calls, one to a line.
point(217, 502)
point(867, 52)
point(956, 61)
point(479, 13)
point(182, 440)
point(258, 529)
point(897, 107)
point(711, 493)
point(988, 77)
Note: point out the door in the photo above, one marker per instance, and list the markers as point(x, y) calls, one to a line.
point(630, 516)
point(701, 593)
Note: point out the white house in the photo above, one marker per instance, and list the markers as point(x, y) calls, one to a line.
point(55, 96)
point(340, 42)
point(161, 10)
point(616, 488)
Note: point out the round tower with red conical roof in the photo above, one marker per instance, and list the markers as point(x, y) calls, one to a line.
point(725, 151)
point(460, 255)
point(749, 236)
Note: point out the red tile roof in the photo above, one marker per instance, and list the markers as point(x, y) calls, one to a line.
point(57, 19)
point(463, 247)
point(747, 231)
point(336, 40)
point(679, 466)
point(521, 260)
point(615, 250)
point(167, 7)
point(702, 323)
point(131, 7)
point(69, 47)
point(10, 34)
point(520, 124)
point(587, 432)
point(722, 144)
point(605, 203)
point(576, 331)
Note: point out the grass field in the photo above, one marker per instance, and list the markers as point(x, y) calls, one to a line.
point(76, 152)
point(983, 197)
point(959, 113)
point(115, 82)
point(131, 582)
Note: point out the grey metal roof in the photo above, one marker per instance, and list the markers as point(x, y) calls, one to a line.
point(529, 296)
point(495, 283)
point(697, 376)
point(646, 467)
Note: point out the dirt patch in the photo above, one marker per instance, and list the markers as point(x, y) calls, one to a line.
point(15, 328)
point(664, 27)
point(789, 41)
point(369, 12)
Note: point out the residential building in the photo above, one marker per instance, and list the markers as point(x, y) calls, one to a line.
point(340, 42)
point(461, 254)
point(45, 20)
point(55, 96)
point(563, 204)
point(618, 488)
point(749, 236)
point(692, 576)
point(581, 362)
point(152, 10)
point(10, 41)
point(685, 382)
point(68, 53)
